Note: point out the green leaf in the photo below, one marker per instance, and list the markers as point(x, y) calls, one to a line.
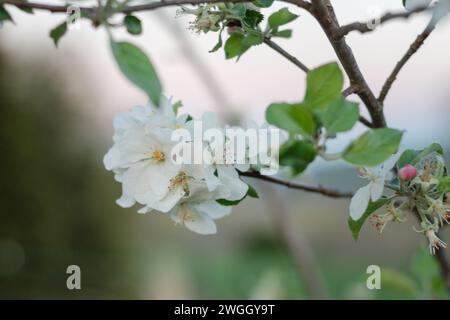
point(281, 17)
point(57, 33)
point(263, 3)
point(238, 10)
point(444, 184)
point(136, 66)
point(340, 116)
point(355, 226)
point(324, 84)
point(412, 157)
point(295, 119)
point(424, 266)
point(234, 46)
point(393, 279)
point(253, 37)
point(297, 155)
point(219, 41)
point(4, 15)
point(282, 33)
point(251, 192)
point(373, 147)
point(133, 24)
point(252, 18)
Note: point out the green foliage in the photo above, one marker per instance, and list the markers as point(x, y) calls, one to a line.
point(282, 33)
point(235, 46)
point(339, 116)
point(58, 32)
point(136, 66)
point(281, 17)
point(297, 154)
point(251, 192)
point(444, 184)
point(4, 14)
point(324, 85)
point(133, 24)
point(263, 3)
point(355, 226)
point(412, 157)
point(295, 119)
point(373, 147)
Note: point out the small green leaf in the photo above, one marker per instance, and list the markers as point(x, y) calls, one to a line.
point(252, 18)
point(393, 279)
point(4, 15)
point(57, 33)
point(281, 17)
point(295, 119)
point(411, 156)
point(297, 155)
point(263, 3)
point(355, 226)
point(282, 33)
point(238, 10)
point(373, 147)
point(444, 184)
point(324, 84)
point(252, 38)
point(340, 116)
point(219, 41)
point(136, 66)
point(133, 24)
point(251, 192)
point(234, 46)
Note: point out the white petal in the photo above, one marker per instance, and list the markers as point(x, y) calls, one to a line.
point(125, 201)
point(230, 179)
point(389, 164)
point(145, 176)
point(213, 209)
point(359, 202)
point(112, 159)
point(376, 189)
point(193, 220)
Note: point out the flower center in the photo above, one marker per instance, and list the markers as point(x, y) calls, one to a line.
point(158, 156)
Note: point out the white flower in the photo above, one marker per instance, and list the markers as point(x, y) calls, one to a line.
point(374, 190)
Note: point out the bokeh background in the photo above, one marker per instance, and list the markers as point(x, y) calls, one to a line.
point(57, 201)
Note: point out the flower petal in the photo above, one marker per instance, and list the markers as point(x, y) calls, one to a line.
point(359, 202)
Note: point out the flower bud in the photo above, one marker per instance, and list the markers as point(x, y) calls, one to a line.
point(407, 173)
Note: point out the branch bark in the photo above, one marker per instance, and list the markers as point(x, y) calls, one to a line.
point(321, 190)
point(364, 27)
point(323, 11)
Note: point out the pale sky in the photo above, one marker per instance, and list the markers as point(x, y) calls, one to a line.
point(417, 103)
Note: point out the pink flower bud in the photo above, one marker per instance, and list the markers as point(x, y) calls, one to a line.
point(407, 173)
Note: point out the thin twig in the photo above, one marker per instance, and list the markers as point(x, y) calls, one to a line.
point(292, 185)
point(420, 39)
point(285, 54)
point(368, 26)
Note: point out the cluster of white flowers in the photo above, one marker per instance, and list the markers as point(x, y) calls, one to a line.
point(143, 161)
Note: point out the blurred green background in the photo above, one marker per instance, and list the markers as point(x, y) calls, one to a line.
point(57, 209)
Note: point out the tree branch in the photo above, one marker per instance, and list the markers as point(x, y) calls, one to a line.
point(409, 53)
point(442, 259)
point(292, 185)
point(364, 27)
point(285, 54)
point(323, 11)
point(135, 8)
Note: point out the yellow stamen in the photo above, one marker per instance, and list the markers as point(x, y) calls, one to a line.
point(158, 156)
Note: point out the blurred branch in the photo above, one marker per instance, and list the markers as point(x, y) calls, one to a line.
point(415, 46)
point(367, 26)
point(324, 191)
point(442, 259)
point(296, 244)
